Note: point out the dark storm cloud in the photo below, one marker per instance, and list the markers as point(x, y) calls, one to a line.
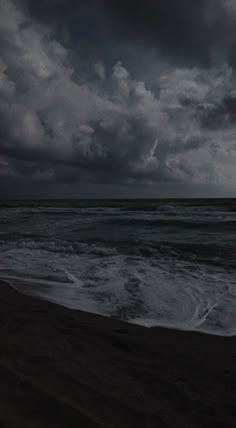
point(76, 23)
point(190, 32)
point(102, 126)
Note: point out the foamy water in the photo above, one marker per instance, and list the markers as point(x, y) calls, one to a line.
point(154, 263)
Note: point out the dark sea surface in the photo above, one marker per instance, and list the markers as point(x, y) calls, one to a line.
point(152, 262)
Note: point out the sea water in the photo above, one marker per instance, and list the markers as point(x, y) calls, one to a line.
point(152, 262)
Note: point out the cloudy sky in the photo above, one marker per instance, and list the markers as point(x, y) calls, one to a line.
point(102, 98)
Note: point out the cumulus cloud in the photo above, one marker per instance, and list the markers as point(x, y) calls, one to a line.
point(55, 124)
point(49, 115)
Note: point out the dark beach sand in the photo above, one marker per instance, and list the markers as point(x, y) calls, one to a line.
point(64, 368)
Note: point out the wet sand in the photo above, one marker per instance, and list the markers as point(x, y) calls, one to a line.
point(65, 368)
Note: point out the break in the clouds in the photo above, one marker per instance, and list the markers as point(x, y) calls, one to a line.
point(120, 96)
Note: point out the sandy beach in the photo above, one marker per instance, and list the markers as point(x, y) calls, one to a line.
point(65, 368)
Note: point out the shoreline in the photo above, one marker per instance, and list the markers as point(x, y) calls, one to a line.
point(11, 280)
point(60, 367)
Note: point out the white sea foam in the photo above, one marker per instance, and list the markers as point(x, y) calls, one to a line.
point(139, 290)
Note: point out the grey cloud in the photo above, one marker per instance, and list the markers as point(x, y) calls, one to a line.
point(48, 116)
point(58, 126)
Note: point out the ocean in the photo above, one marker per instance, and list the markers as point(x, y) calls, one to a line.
point(168, 263)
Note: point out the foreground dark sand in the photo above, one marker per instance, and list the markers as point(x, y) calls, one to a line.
point(63, 368)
